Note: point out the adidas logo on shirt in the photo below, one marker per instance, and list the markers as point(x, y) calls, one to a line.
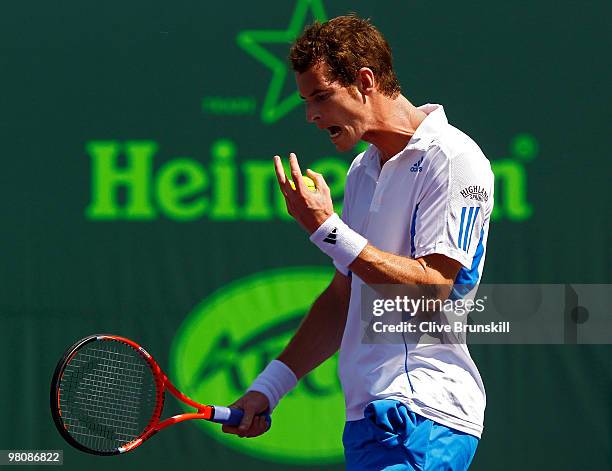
point(331, 237)
point(417, 166)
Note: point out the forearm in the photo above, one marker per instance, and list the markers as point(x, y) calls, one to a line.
point(320, 333)
point(375, 266)
point(434, 273)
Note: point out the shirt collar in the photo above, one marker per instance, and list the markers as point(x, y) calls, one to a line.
point(372, 162)
point(429, 127)
point(421, 139)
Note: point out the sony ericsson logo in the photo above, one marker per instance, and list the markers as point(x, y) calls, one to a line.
point(232, 335)
point(417, 166)
point(475, 192)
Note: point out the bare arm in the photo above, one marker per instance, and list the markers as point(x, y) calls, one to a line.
point(438, 271)
point(373, 265)
point(317, 338)
point(320, 333)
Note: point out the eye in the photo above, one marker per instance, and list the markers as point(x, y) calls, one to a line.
point(322, 96)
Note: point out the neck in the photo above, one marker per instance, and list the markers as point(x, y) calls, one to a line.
point(396, 121)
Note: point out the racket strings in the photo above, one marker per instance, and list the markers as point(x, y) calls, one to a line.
point(107, 395)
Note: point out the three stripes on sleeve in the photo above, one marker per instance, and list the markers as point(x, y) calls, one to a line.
point(466, 226)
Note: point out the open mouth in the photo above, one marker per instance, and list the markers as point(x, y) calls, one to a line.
point(334, 131)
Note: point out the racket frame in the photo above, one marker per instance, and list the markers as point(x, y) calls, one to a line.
point(162, 383)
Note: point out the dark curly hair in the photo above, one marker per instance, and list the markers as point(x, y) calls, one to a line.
point(346, 44)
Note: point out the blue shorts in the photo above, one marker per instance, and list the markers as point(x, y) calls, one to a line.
point(393, 438)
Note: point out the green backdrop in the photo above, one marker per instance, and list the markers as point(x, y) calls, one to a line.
point(138, 199)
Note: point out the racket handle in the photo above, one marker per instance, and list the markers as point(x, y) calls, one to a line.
point(233, 417)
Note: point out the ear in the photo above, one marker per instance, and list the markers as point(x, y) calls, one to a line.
point(365, 81)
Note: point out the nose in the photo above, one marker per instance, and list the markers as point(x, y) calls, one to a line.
point(312, 113)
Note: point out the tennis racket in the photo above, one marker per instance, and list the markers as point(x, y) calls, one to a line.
point(107, 396)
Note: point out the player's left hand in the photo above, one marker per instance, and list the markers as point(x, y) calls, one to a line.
point(309, 208)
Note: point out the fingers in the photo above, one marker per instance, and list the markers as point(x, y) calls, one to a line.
point(247, 420)
point(262, 424)
point(229, 429)
point(251, 425)
point(239, 404)
point(320, 182)
point(296, 176)
point(280, 175)
point(259, 426)
point(296, 173)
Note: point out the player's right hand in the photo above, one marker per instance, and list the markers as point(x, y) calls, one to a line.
point(252, 403)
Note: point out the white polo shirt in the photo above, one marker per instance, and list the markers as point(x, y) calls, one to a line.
point(435, 196)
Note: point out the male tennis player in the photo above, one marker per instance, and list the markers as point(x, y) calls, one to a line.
point(417, 205)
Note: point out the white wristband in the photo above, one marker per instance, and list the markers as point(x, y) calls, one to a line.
point(338, 240)
point(274, 382)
